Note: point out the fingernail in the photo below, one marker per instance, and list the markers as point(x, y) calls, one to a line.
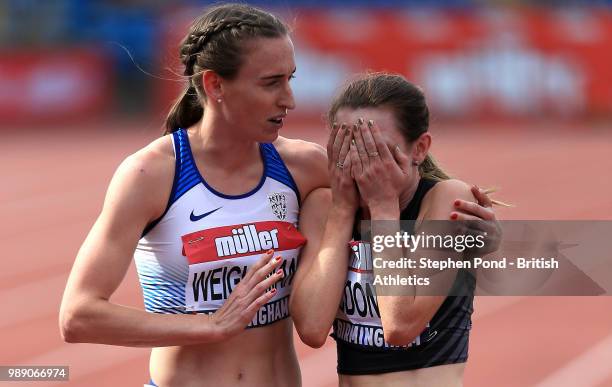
point(457, 202)
point(271, 251)
point(355, 128)
point(453, 216)
point(273, 291)
point(370, 124)
point(334, 125)
point(343, 126)
point(397, 149)
point(360, 121)
point(277, 259)
point(477, 187)
point(279, 272)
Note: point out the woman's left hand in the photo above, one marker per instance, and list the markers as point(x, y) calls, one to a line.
point(379, 177)
point(479, 218)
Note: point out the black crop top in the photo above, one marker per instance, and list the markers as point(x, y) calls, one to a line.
point(358, 329)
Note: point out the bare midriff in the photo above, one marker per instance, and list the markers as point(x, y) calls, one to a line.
point(449, 375)
point(262, 356)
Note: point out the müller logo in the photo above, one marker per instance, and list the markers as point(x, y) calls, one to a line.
point(240, 240)
point(246, 239)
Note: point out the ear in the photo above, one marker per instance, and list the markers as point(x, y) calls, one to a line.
point(421, 147)
point(211, 83)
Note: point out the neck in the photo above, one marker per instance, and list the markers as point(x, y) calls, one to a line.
point(408, 193)
point(222, 144)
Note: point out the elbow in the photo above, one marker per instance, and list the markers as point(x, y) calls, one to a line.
point(312, 335)
point(400, 334)
point(71, 325)
point(314, 339)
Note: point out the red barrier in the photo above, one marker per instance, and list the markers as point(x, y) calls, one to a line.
point(53, 85)
point(472, 64)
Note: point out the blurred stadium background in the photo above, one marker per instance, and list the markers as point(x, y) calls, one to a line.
point(521, 96)
point(507, 59)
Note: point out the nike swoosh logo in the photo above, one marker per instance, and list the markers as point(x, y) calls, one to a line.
point(195, 218)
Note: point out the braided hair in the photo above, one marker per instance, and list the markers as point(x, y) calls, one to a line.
point(215, 42)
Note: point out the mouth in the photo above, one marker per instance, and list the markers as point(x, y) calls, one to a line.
point(277, 120)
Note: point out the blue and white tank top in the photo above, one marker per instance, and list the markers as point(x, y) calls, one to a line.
point(190, 259)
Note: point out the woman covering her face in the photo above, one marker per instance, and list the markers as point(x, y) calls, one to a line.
point(381, 170)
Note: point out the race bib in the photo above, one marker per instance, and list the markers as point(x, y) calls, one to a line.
point(220, 257)
point(358, 319)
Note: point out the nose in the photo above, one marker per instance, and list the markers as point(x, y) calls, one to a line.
point(286, 100)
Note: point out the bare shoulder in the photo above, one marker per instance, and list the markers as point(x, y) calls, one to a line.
point(144, 179)
point(438, 202)
point(301, 152)
point(150, 163)
point(452, 187)
point(307, 162)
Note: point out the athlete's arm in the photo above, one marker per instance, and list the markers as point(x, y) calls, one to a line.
point(136, 196)
point(323, 263)
point(327, 221)
point(404, 317)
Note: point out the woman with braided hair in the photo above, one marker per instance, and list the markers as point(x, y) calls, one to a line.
point(209, 213)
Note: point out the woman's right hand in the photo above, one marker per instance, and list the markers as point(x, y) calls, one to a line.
point(248, 296)
point(344, 190)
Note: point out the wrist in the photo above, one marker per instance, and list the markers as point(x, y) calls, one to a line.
point(385, 211)
point(214, 331)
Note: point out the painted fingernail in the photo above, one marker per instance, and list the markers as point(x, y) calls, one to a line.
point(343, 126)
point(360, 121)
point(279, 272)
point(355, 128)
point(370, 124)
point(453, 216)
point(277, 259)
point(273, 291)
point(457, 202)
point(271, 251)
point(335, 126)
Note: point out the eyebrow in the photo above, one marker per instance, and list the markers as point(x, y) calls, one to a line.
point(267, 77)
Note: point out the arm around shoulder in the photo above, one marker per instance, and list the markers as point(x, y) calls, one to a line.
point(438, 202)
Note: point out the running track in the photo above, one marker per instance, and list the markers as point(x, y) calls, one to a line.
point(53, 182)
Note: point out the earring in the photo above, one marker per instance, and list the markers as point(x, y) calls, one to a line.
point(219, 100)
